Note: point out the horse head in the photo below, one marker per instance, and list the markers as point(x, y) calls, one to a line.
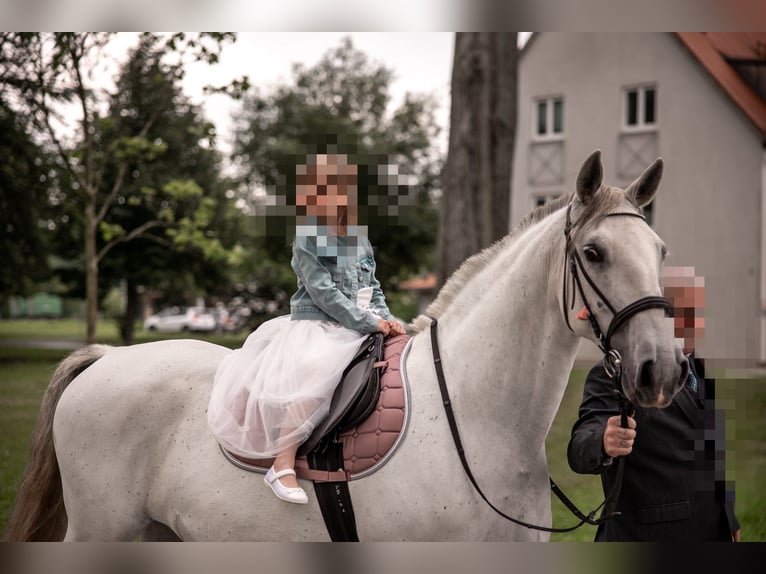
point(612, 293)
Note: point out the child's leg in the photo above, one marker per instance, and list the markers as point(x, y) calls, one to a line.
point(286, 459)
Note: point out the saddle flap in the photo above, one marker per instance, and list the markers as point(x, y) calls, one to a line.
point(356, 394)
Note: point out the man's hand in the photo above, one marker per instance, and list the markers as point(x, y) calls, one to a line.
point(617, 440)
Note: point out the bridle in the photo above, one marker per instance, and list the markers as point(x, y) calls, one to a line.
point(574, 265)
point(612, 358)
point(612, 366)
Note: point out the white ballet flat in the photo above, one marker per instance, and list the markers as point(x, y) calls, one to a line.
point(295, 495)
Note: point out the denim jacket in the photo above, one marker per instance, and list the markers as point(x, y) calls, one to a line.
point(330, 278)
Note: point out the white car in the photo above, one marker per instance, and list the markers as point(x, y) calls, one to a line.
point(178, 319)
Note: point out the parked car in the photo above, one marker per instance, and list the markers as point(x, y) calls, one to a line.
point(230, 321)
point(178, 319)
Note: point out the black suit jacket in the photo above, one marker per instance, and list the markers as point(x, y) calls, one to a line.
point(674, 485)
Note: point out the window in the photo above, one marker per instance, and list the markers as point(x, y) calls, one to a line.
point(640, 107)
point(549, 117)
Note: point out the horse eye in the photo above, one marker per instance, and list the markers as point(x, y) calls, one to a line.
point(592, 254)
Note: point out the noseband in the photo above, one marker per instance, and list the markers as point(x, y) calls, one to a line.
point(573, 264)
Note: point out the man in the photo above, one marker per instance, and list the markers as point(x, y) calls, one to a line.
point(674, 486)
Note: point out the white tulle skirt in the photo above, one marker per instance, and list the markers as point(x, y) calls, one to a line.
point(270, 394)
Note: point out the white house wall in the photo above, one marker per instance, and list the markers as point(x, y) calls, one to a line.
point(708, 209)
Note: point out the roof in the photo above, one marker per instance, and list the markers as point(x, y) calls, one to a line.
point(423, 283)
point(712, 49)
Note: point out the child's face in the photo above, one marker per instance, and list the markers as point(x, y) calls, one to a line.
point(324, 189)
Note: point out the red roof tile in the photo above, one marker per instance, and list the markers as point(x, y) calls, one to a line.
point(710, 49)
point(420, 283)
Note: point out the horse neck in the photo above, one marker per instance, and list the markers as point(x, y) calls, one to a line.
point(508, 321)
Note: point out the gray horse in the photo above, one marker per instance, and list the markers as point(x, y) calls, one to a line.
point(122, 449)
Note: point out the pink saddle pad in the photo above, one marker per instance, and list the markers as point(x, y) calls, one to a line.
point(369, 445)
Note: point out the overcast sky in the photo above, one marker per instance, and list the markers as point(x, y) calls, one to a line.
point(421, 62)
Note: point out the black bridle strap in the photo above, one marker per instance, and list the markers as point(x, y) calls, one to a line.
point(464, 461)
point(636, 307)
point(572, 257)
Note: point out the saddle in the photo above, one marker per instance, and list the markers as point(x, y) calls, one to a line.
point(356, 394)
point(368, 413)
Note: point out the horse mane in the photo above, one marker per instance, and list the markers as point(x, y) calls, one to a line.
point(602, 203)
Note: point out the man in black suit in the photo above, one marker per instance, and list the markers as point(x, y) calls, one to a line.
point(674, 486)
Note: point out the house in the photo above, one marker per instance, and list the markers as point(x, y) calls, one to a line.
point(698, 100)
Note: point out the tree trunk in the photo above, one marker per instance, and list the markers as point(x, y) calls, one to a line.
point(91, 269)
point(132, 308)
point(475, 205)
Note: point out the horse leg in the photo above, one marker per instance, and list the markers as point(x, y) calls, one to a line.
point(114, 531)
point(96, 520)
point(159, 532)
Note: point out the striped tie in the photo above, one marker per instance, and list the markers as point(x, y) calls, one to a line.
point(691, 381)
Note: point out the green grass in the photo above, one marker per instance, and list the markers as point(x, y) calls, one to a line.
point(583, 490)
point(24, 375)
point(106, 332)
point(70, 329)
point(25, 372)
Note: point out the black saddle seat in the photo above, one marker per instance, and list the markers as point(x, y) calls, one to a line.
point(356, 394)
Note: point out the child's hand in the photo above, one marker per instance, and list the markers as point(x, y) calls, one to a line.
point(396, 327)
point(383, 327)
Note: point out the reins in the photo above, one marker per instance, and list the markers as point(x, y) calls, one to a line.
point(612, 366)
point(464, 461)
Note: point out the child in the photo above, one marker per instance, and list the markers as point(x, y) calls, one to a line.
point(269, 395)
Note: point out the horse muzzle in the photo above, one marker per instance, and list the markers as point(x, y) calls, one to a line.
point(656, 385)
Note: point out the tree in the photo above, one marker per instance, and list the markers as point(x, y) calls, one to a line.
point(179, 188)
point(43, 73)
point(475, 205)
point(341, 105)
point(24, 183)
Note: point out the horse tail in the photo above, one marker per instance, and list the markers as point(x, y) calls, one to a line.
point(38, 512)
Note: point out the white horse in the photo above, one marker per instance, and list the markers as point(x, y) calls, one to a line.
point(133, 455)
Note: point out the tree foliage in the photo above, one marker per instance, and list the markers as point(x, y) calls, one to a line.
point(175, 193)
point(44, 75)
point(341, 105)
point(24, 182)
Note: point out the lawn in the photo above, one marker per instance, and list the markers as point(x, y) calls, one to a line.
point(74, 330)
point(24, 374)
point(70, 329)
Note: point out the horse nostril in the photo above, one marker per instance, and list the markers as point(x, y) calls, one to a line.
point(646, 380)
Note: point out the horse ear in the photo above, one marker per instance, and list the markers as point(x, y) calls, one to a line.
point(643, 190)
point(590, 177)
